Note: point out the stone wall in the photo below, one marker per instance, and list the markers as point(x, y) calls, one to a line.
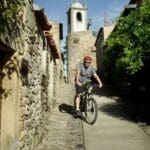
point(101, 38)
point(27, 83)
point(79, 44)
point(58, 64)
point(57, 80)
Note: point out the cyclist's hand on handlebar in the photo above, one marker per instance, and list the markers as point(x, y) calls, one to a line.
point(100, 85)
point(79, 83)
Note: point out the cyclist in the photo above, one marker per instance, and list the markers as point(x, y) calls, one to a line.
point(84, 72)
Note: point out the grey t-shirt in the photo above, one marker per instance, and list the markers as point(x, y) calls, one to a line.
point(85, 74)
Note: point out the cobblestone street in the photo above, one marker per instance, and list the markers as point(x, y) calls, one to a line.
point(62, 130)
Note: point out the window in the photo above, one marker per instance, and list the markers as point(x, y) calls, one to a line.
point(79, 16)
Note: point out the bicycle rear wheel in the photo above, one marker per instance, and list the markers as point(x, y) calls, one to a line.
point(91, 111)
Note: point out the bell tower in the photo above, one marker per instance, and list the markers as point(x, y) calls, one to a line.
point(77, 17)
point(80, 40)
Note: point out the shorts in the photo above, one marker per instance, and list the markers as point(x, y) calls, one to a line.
point(79, 89)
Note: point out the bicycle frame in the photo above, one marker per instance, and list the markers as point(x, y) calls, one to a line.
point(85, 95)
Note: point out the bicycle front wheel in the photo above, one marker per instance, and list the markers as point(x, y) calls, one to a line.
point(91, 111)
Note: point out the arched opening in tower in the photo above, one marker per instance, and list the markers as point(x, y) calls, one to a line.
point(79, 16)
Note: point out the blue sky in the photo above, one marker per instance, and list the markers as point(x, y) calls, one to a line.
point(56, 10)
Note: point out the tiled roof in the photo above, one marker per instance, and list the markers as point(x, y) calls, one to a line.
point(46, 26)
point(52, 44)
point(42, 20)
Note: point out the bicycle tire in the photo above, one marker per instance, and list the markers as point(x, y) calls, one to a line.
point(89, 109)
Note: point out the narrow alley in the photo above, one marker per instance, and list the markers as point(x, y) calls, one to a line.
point(48, 46)
point(113, 129)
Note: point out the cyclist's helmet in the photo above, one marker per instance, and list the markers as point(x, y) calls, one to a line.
point(87, 59)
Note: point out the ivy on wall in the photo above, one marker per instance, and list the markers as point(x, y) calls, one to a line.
point(128, 48)
point(9, 10)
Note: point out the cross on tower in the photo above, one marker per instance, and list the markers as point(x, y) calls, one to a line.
point(106, 20)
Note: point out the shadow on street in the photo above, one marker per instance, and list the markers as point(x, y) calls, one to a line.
point(65, 108)
point(106, 90)
point(113, 109)
point(137, 109)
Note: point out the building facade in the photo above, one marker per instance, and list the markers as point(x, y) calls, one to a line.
point(57, 34)
point(28, 56)
point(102, 36)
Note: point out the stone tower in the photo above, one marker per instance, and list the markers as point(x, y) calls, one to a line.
point(77, 17)
point(80, 41)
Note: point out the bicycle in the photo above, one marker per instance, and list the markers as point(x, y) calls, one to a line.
point(88, 104)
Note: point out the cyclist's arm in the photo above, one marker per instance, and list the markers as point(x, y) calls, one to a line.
point(77, 78)
point(98, 79)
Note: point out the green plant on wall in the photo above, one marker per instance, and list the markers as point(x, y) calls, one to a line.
point(128, 47)
point(9, 10)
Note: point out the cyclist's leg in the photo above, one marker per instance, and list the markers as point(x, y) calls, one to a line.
point(79, 90)
point(77, 101)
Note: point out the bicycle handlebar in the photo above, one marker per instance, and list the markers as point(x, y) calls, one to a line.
point(87, 81)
